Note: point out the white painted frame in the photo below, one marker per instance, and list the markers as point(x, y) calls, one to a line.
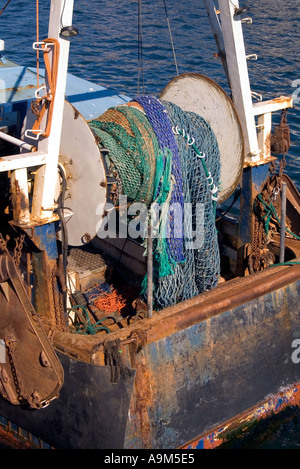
point(238, 75)
point(61, 13)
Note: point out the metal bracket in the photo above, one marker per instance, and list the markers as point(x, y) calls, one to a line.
point(25, 342)
point(247, 20)
point(251, 57)
point(38, 45)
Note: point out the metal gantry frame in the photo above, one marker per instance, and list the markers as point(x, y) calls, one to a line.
point(44, 153)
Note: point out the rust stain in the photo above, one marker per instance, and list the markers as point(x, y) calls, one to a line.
point(10, 440)
point(268, 145)
point(20, 88)
point(19, 200)
point(47, 300)
point(283, 100)
point(143, 393)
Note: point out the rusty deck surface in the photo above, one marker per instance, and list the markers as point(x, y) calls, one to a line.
point(225, 297)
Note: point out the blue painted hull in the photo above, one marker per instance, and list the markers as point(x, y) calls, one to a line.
point(190, 369)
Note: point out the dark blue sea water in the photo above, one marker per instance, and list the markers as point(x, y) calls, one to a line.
point(106, 52)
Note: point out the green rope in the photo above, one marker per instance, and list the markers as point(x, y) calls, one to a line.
point(285, 263)
point(270, 211)
point(88, 327)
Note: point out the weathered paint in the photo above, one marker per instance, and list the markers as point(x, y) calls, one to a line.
point(45, 295)
point(212, 371)
point(286, 398)
point(191, 368)
point(19, 83)
point(45, 238)
point(92, 417)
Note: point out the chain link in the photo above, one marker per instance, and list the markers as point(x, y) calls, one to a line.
point(18, 250)
point(13, 366)
point(3, 244)
point(259, 253)
point(57, 300)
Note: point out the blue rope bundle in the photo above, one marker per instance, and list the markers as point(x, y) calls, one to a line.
point(201, 270)
point(158, 118)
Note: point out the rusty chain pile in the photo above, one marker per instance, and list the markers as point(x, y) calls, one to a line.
point(266, 224)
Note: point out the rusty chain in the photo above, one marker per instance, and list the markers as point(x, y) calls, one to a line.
point(260, 256)
point(32, 399)
point(15, 373)
point(3, 244)
point(17, 250)
point(57, 300)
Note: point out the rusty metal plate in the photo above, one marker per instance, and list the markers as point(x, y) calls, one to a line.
point(30, 372)
point(199, 94)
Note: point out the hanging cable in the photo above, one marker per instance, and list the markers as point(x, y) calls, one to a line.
point(64, 231)
point(140, 49)
point(4, 7)
point(37, 50)
point(171, 38)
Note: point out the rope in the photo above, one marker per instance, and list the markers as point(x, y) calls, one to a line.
point(285, 263)
point(47, 101)
point(171, 37)
point(140, 48)
point(270, 212)
point(110, 302)
point(113, 358)
point(84, 325)
point(37, 51)
point(7, 3)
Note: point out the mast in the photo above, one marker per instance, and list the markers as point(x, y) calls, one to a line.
point(255, 118)
point(236, 60)
point(227, 26)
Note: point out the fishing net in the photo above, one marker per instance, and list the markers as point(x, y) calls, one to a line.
point(168, 160)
